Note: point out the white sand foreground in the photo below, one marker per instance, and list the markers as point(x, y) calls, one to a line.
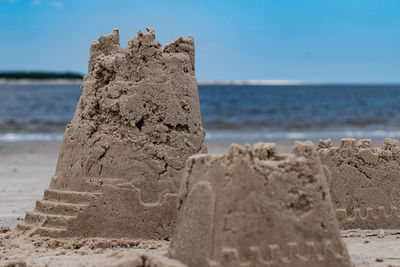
point(26, 169)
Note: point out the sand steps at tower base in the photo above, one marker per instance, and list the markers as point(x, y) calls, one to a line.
point(73, 197)
point(56, 212)
point(54, 207)
point(42, 230)
point(48, 220)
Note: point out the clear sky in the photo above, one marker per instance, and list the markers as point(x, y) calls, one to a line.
point(320, 41)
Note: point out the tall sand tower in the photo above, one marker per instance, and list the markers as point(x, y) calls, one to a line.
point(123, 154)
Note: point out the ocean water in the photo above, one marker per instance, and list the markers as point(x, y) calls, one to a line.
point(230, 113)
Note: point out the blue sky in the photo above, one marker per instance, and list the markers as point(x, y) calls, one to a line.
point(320, 41)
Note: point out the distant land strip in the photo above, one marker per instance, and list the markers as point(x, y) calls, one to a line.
point(37, 75)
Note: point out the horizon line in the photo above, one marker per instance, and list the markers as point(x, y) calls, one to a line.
point(288, 82)
point(205, 82)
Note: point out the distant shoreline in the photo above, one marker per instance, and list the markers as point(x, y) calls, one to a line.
point(40, 77)
point(40, 81)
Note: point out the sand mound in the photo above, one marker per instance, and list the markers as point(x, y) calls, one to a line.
point(21, 250)
point(141, 260)
point(136, 123)
point(257, 208)
point(364, 182)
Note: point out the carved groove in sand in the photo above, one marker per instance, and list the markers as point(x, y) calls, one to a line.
point(378, 217)
point(291, 255)
point(363, 182)
point(257, 208)
point(123, 154)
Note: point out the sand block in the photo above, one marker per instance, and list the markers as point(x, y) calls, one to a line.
point(124, 152)
point(257, 208)
point(364, 182)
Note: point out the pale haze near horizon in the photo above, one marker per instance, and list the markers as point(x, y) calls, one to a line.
point(314, 41)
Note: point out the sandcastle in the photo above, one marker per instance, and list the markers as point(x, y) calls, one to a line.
point(123, 154)
point(257, 208)
point(363, 182)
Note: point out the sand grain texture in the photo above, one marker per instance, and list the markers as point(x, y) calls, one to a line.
point(21, 250)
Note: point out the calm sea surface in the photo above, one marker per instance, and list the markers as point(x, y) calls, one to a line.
point(230, 113)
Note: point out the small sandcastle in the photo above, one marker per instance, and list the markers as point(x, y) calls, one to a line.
point(123, 154)
point(257, 208)
point(363, 182)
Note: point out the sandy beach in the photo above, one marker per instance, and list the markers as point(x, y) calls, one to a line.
point(25, 171)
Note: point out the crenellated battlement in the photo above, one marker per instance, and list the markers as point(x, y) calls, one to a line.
point(378, 213)
point(369, 218)
point(363, 150)
point(140, 51)
point(262, 153)
point(387, 144)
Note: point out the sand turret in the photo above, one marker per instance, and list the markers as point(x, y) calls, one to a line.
point(257, 208)
point(123, 154)
point(363, 182)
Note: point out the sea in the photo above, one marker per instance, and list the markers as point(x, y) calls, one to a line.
point(230, 113)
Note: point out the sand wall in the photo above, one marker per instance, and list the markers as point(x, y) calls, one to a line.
point(364, 182)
